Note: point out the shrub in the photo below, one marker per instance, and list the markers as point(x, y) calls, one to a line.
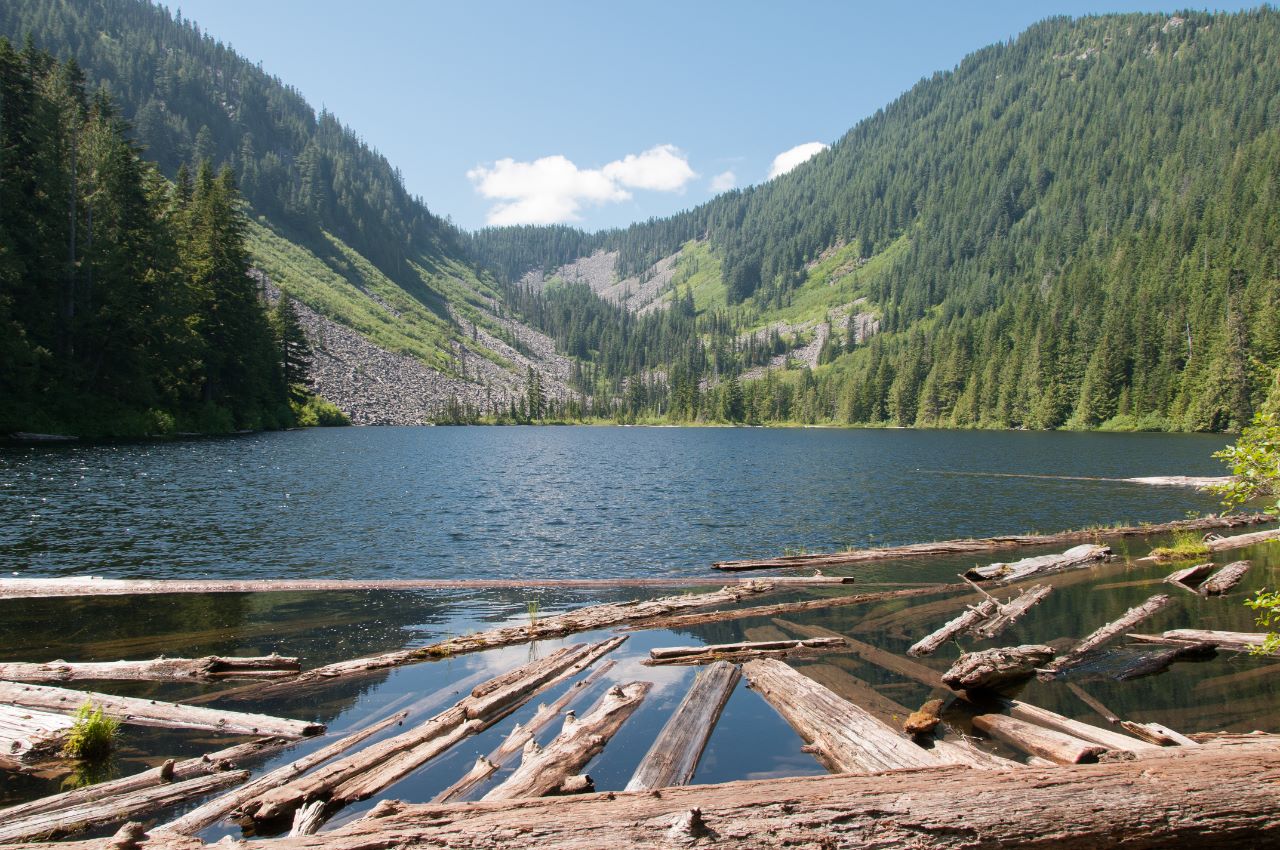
point(93, 735)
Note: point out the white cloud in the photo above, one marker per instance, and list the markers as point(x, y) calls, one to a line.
point(724, 181)
point(789, 159)
point(553, 189)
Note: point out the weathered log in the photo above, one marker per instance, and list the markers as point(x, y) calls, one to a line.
point(96, 813)
point(1057, 747)
point(842, 736)
point(1239, 641)
point(904, 667)
point(159, 669)
point(923, 720)
point(308, 819)
point(965, 621)
point(992, 668)
point(1128, 620)
point(1224, 579)
point(848, 686)
point(1239, 541)
point(1228, 682)
point(171, 771)
point(674, 755)
point(1158, 662)
point(1028, 713)
point(27, 734)
point(1087, 553)
point(743, 651)
point(960, 547)
point(1157, 734)
point(1011, 611)
point(547, 769)
point(148, 712)
point(1189, 578)
point(214, 810)
point(369, 770)
point(1206, 797)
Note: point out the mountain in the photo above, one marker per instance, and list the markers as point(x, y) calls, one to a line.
point(405, 326)
point(1079, 227)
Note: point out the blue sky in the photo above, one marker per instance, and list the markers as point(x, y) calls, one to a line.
point(600, 114)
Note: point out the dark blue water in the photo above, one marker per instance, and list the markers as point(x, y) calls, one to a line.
point(557, 502)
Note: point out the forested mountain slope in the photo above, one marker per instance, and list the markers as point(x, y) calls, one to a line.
point(331, 223)
point(1078, 227)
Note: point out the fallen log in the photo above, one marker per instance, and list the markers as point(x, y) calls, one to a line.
point(27, 735)
point(841, 736)
point(1206, 797)
point(97, 813)
point(1028, 713)
point(1087, 553)
point(1238, 641)
point(992, 668)
point(965, 621)
point(216, 809)
point(1128, 620)
point(1158, 662)
point(983, 544)
point(170, 771)
point(1224, 579)
point(308, 819)
point(160, 669)
point(1057, 747)
point(369, 770)
point(1189, 578)
point(674, 755)
point(1155, 733)
point(743, 651)
point(1239, 541)
point(148, 712)
point(545, 770)
point(1011, 612)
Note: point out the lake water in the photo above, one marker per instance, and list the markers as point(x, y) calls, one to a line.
point(592, 502)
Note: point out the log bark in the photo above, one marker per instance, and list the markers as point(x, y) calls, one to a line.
point(1057, 747)
point(1158, 662)
point(547, 769)
point(985, 544)
point(96, 813)
point(1239, 641)
point(216, 809)
point(1128, 620)
point(1028, 713)
point(992, 668)
point(842, 736)
point(27, 734)
point(675, 753)
point(159, 669)
point(1224, 579)
point(1189, 578)
point(1012, 611)
point(1238, 541)
point(1087, 553)
point(147, 712)
point(710, 654)
point(965, 621)
point(1206, 797)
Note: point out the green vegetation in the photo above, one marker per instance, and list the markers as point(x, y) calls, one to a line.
point(1186, 546)
point(93, 736)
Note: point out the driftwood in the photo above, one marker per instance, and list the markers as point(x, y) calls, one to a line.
point(160, 669)
point(1157, 734)
point(1211, 796)
point(148, 712)
point(1028, 713)
point(1011, 611)
point(214, 810)
point(1087, 553)
point(27, 734)
point(308, 819)
point(546, 770)
point(1189, 578)
point(842, 736)
point(743, 651)
point(121, 807)
point(960, 547)
point(1158, 662)
point(1239, 641)
point(1128, 620)
point(675, 752)
point(992, 668)
point(1057, 747)
point(1224, 579)
point(371, 769)
point(968, 619)
point(1238, 541)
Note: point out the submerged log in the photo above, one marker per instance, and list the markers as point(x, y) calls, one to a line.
point(872, 654)
point(965, 546)
point(214, 810)
point(545, 770)
point(1224, 579)
point(1057, 747)
point(159, 669)
point(992, 668)
point(1128, 620)
point(149, 712)
point(1087, 553)
point(746, 650)
point(27, 735)
point(1011, 611)
point(97, 813)
point(965, 621)
point(1160, 661)
point(1206, 797)
point(1189, 578)
point(842, 736)
point(675, 752)
point(1239, 641)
